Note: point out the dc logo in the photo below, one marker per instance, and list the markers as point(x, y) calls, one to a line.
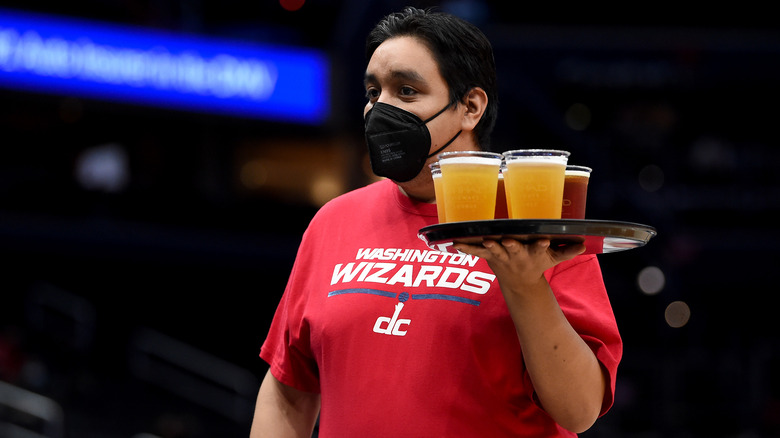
point(392, 325)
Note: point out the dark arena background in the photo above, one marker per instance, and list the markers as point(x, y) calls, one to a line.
point(146, 239)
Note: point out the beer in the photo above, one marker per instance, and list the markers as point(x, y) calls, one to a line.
point(534, 182)
point(470, 182)
point(575, 192)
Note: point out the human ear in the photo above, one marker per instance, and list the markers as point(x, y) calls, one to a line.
point(475, 102)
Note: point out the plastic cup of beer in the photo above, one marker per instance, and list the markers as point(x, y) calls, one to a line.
point(469, 183)
point(534, 182)
point(438, 190)
point(575, 192)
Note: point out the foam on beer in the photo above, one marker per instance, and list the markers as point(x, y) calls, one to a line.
point(578, 173)
point(537, 160)
point(470, 160)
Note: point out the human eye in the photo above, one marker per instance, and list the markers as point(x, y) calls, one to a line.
point(372, 94)
point(407, 91)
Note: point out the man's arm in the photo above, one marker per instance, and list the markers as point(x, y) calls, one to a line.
point(567, 377)
point(283, 412)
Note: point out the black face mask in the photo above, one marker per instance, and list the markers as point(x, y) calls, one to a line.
point(398, 141)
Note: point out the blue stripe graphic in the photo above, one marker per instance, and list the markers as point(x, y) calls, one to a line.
point(445, 297)
point(383, 293)
point(362, 291)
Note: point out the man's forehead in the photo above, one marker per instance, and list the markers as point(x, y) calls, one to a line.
point(395, 74)
point(401, 58)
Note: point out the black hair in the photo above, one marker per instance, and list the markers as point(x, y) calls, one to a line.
point(462, 52)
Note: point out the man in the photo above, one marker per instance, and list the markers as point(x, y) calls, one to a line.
point(381, 336)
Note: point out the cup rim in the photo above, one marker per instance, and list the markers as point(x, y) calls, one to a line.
point(481, 154)
point(577, 167)
point(536, 153)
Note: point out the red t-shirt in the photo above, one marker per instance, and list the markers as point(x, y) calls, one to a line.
point(403, 340)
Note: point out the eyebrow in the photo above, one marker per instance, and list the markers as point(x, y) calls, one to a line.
point(409, 75)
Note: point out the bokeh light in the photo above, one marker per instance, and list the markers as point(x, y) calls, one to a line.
point(103, 168)
point(651, 178)
point(325, 187)
point(677, 314)
point(651, 280)
point(253, 174)
point(292, 5)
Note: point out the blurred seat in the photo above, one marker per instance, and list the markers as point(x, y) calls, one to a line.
point(193, 374)
point(64, 317)
point(25, 414)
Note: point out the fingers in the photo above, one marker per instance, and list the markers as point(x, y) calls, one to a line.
point(488, 249)
point(507, 249)
point(569, 251)
point(475, 250)
point(497, 250)
point(514, 247)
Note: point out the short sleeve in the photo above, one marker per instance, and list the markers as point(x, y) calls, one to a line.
point(287, 348)
point(578, 286)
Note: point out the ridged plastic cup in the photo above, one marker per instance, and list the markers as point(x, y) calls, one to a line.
point(534, 181)
point(469, 184)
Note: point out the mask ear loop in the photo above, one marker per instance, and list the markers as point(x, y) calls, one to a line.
point(445, 145)
point(452, 139)
point(425, 122)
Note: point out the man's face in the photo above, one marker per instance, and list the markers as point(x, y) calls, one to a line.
point(402, 72)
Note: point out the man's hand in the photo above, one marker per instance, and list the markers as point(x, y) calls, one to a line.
point(519, 264)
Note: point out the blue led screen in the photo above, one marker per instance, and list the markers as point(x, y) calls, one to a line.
point(141, 66)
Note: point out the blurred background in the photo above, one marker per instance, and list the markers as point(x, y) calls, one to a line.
point(160, 159)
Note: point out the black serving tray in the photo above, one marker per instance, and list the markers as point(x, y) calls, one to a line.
point(599, 236)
